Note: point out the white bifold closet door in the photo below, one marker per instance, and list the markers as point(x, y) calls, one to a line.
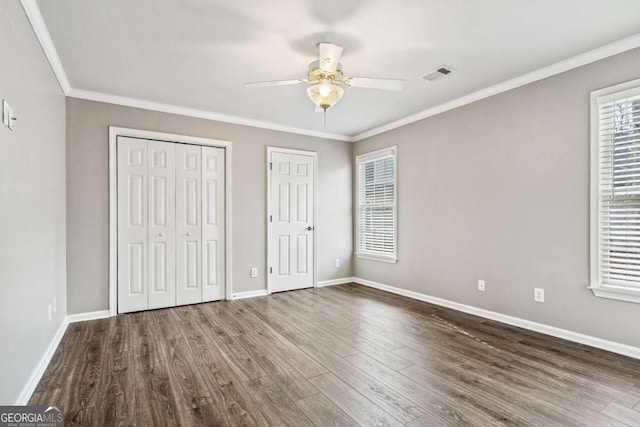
point(162, 217)
point(170, 224)
point(189, 223)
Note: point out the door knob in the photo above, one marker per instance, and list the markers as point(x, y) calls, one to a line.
point(309, 228)
point(160, 234)
point(188, 234)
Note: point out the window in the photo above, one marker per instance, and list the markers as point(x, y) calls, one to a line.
point(615, 192)
point(377, 205)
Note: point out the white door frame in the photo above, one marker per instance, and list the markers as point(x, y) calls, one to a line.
point(114, 133)
point(315, 210)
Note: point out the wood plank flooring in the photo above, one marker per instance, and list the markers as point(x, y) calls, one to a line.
point(344, 355)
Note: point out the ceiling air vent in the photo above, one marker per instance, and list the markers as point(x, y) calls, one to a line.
point(438, 73)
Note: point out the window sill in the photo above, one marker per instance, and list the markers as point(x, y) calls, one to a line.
point(617, 293)
point(390, 260)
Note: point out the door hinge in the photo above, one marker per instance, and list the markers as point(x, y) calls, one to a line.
point(270, 166)
point(270, 218)
point(270, 270)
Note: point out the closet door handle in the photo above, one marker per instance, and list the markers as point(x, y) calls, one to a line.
point(160, 234)
point(188, 234)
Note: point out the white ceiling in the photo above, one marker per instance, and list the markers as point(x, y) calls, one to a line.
point(198, 53)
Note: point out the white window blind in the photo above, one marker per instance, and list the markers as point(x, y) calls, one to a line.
point(377, 204)
point(617, 214)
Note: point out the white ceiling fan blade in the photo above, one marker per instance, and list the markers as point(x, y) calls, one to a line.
point(386, 84)
point(276, 83)
point(329, 56)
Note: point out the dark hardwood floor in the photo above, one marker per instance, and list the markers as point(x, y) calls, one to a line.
point(344, 355)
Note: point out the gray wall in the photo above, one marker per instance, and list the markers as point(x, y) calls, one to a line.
point(88, 197)
point(32, 203)
point(499, 190)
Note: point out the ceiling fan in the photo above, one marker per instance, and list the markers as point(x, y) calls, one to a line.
point(325, 75)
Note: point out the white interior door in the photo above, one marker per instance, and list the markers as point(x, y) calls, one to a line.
point(291, 208)
point(188, 224)
point(162, 239)
point(213, 226)
point(132, 225)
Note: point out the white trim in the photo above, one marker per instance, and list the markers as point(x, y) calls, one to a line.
point(91, 315)
point(594, 55)
point(168, 137)
point(390, 260)
point(42, 33)
point(315, 209)
point(271, 149)
point(35, 17)
point(114, 133)
point(376, 154)
point(202, 114)
point(597, 98)
point(44, 361)
point(113, 222)
point(594, 193)
point(228, 241)
point(35, 376)
point(268, 219)
point(612, 93)
point(620, 294)
point(614, 347)
point(600, 343)
point(391, 151)
point(334, 282)
point(249, 294)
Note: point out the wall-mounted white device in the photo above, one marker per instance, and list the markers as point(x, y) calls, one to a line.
point(8, 118)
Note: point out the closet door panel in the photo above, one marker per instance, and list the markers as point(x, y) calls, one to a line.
point(213, 227)
point(132, 225)
point(162, 220)
point(188, 224)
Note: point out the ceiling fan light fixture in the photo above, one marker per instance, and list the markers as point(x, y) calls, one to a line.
point(325, 74)
point(325, 94)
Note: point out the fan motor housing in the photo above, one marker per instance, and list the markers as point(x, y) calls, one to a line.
point(316, 73)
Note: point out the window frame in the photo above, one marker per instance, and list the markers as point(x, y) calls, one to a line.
point(367, 157)
point(598, 97)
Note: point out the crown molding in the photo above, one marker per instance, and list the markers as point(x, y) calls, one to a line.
point(42, 33)
point(603, 52)
point(40, 28)
point(202, 114)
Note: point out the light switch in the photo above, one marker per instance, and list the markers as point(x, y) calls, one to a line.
point(8, 118)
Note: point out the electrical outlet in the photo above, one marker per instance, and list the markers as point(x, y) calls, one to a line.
point(481, 285)
point(538, 295)
point(254, 272)
point(55, 308)
point(336, 263)
point(49, 311)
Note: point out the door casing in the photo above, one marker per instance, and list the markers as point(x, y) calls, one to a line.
point(114, 133)
point(315, 211)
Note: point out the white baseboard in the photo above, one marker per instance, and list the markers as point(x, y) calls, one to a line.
point(600, 343)
point(34, 379)
point(249, 294)
point(614, 347)
point(334, 282)
point(92, 315)
point(36, 375)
